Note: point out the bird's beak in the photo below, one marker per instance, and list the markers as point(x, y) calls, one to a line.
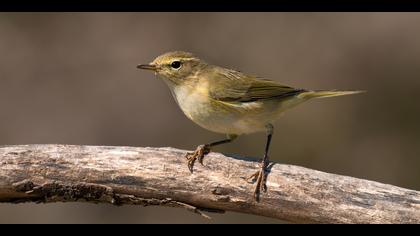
point(147, 67)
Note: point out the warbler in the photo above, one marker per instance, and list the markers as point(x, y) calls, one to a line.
point(229, 102)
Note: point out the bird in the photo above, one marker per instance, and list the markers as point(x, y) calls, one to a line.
point(229, 102)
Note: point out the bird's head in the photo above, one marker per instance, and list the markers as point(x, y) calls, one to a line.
point(175, 67)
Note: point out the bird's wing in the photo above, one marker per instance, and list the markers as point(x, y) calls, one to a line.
point(234, 86)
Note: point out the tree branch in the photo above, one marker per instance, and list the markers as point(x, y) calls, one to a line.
point(159, 176)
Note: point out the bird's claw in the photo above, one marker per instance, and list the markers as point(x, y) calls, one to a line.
point(198, 154)
point(260, 177)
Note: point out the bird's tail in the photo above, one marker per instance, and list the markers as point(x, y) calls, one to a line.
point(326, 93)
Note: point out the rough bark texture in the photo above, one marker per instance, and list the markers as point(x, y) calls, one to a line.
point(159, 176)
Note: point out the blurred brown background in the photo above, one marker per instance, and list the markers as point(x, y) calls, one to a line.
point(70, 78)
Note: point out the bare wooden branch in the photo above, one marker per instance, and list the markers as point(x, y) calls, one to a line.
point(159, 176)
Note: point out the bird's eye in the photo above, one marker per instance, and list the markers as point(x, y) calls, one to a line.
point(176, 64)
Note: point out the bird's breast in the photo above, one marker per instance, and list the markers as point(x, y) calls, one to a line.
point(193, 102)
point(218, 116)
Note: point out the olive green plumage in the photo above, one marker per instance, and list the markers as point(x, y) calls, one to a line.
point(224, 100)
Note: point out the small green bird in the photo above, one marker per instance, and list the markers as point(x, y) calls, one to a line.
point(228, 101)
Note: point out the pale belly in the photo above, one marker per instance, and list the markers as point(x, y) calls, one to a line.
point(228, 118)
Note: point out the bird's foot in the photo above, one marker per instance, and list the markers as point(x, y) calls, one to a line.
point(260, 177)
point(198, 154)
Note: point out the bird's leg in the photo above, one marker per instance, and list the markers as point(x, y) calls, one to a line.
point(261, 175)
point(203, 150)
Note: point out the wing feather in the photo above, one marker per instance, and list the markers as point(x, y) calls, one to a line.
point(234, 86)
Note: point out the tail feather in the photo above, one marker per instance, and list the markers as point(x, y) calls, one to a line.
point(327, 93)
